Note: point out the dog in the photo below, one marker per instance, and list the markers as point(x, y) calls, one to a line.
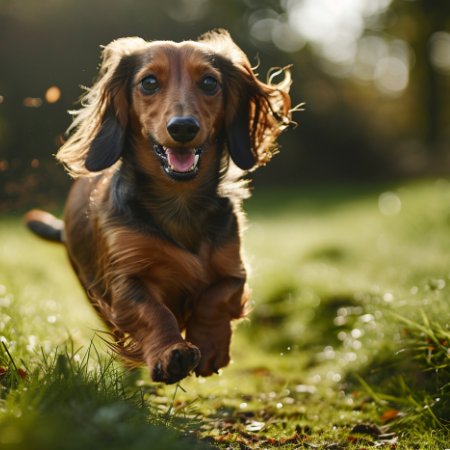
point(153, 224)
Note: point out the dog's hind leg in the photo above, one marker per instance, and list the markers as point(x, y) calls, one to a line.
point(45, 225)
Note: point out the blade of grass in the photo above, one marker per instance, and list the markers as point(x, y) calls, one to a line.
point(11, 358)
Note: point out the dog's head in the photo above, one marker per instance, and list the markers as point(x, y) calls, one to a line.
point(174, 101)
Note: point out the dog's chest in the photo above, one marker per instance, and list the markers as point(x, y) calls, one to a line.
point(166, 267)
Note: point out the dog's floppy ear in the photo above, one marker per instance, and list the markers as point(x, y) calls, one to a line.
point(106, 148)
point(255, 112)
point(101, 125)
point(238, 138)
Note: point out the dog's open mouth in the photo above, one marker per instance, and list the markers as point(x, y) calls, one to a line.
point(180, 163)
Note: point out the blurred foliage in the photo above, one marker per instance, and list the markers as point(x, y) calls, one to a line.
point(374, 75)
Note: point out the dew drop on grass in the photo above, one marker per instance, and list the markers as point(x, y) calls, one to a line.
point(389, 204)
point(356, 333)
point(342, 335)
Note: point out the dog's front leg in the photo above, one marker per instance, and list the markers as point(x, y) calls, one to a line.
point(138, 312)
point(209, 326)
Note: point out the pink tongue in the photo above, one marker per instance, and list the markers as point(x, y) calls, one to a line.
point(180, 160)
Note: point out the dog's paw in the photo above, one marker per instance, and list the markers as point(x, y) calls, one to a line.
point(214, 344)
point(213, 358)
point(176, 363)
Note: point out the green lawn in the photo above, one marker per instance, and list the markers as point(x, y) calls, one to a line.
point(349, 326)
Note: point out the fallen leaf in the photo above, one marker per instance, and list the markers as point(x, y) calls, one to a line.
point(389, 415)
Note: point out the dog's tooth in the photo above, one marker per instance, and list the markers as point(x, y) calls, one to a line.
point(192, 167)
point(195, 161)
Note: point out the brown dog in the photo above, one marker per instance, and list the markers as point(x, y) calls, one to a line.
point(153, 226)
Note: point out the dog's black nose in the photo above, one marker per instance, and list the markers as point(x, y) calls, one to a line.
point(183, 129)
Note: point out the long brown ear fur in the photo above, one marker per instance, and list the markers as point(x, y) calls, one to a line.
point(99, 127)
point(255, 112)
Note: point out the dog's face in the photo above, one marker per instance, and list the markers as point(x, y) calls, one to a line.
point(178, 98)
point(172, 103)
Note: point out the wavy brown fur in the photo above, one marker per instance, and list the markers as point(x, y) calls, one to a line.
point(158, 256)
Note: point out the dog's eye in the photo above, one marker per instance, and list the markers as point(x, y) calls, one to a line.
point(149, 84)
point(209, 84)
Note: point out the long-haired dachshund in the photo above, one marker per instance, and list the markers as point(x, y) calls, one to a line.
point(153, 225)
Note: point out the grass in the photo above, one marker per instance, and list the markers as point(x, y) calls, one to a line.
point(350, 325)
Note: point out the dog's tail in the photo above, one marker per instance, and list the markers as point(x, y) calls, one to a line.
point(45, 225)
